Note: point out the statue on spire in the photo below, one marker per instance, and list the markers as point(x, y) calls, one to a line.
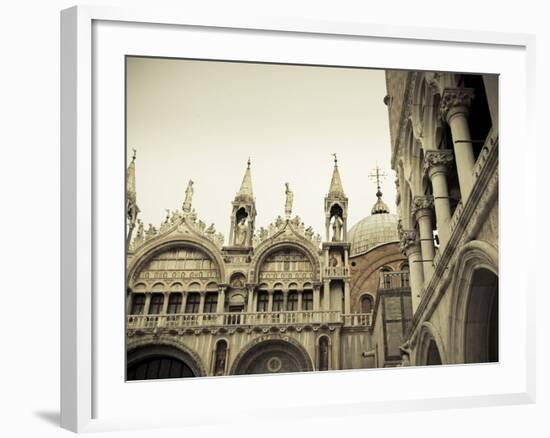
point(188, 197)
point(288, 201)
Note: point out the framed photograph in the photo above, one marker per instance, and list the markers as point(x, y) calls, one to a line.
point(303, 218)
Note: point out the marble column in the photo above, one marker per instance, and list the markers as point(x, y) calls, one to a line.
point(183, 302)
point(285, 300)
point(129, 303)
point(436, 164)
point(326, 295)
point(411, 247)
point(316, 297)
point(165, 303)
point(455, 104)
point(250, 300)
point(347, 297)
point(220, 308)
point(299, 299)
point(147, 303)
point(201, 302)
point(423, 214)
point(270, 301)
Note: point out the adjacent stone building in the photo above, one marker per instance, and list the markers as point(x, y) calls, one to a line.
point(444, 134)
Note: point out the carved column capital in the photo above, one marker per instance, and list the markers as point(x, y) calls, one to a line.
point(455, 101)
point(422, 205)
point(409, 241)
point(437, 160)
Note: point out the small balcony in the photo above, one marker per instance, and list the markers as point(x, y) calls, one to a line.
point(336, 272)
point(357, 319)
point(394, 280)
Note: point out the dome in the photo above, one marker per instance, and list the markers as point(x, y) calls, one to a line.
point(372, 231)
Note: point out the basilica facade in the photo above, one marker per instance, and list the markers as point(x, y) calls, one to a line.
point(272, 299)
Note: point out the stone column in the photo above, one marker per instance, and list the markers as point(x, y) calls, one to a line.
point(147, 303)
point(423, 214)
point(455, 104)
point(490, 81)
point(285, 299)
point(347, 297)
point(270, 301)
point(346, 257)
point(165, 303)
point(220, 308)
point(299, 299)
point(316, 297)
point(129, 303)
point(250, 303)
point(201, 302)
point(183, 302)
point(326, 295)
point(436, 164)
point(411, 247)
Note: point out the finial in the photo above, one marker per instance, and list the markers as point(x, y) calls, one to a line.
point(335, 159)
point(248, 163)
point(134, 155)
point(377, 175)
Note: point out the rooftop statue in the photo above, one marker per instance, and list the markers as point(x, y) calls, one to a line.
point(288, 201)
point(188, 197)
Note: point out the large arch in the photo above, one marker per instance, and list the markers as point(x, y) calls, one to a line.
point(467, 305)
point(431, 348)
point(264, 252)
point(272, 355)
point(142, 349)
point(147, 252)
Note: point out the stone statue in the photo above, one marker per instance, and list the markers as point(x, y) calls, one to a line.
point(337, 229)
point(279, 222)
point(309, 232)
point(211, 229)
point(333, 261)
point(241, 232)
point(188, 197)
point(151, 231)
point(288, 201)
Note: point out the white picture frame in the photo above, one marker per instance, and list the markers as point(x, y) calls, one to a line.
point(83, 370)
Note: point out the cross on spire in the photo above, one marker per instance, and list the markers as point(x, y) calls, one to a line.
point(378, 175)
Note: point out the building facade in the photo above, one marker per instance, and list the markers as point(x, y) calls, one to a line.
point(444, 134)
point(271, 300)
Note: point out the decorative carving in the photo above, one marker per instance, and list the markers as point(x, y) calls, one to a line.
point(241, 232)
point(188, 197)
point(434, 158)
point(408, 239)
point(422, 203)
point(455, 98)
point(337, 229)
point(288, 201)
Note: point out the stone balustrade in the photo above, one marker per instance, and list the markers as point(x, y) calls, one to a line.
point(336, 272)
point(394, 280)
point(235, 319)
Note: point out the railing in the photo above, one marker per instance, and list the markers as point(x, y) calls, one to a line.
point(336, 271)
point(184, 320)
point(357, 319)
point(394, 279)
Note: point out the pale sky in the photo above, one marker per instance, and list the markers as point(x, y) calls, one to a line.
point(201, 120)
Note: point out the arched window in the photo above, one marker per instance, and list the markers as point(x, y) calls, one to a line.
point(211, 302)
point(162, 367)
point(138, 304)
point(220, 358)
point(323, 353)
point(307, 300)
point(292, 301)
point(193, 301)
point(174, 303)
point(155, 307)
point(367, 304)
point(277, 301)
point(263, 300)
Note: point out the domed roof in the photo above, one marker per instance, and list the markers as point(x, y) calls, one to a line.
point(373, 231)
point(378, 228)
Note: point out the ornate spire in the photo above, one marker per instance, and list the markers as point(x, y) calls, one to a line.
point(336, 187)
point(132, 210)
point(246, 186)
point(380, 206)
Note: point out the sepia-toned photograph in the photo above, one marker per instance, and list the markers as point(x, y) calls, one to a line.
point(291, 218)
